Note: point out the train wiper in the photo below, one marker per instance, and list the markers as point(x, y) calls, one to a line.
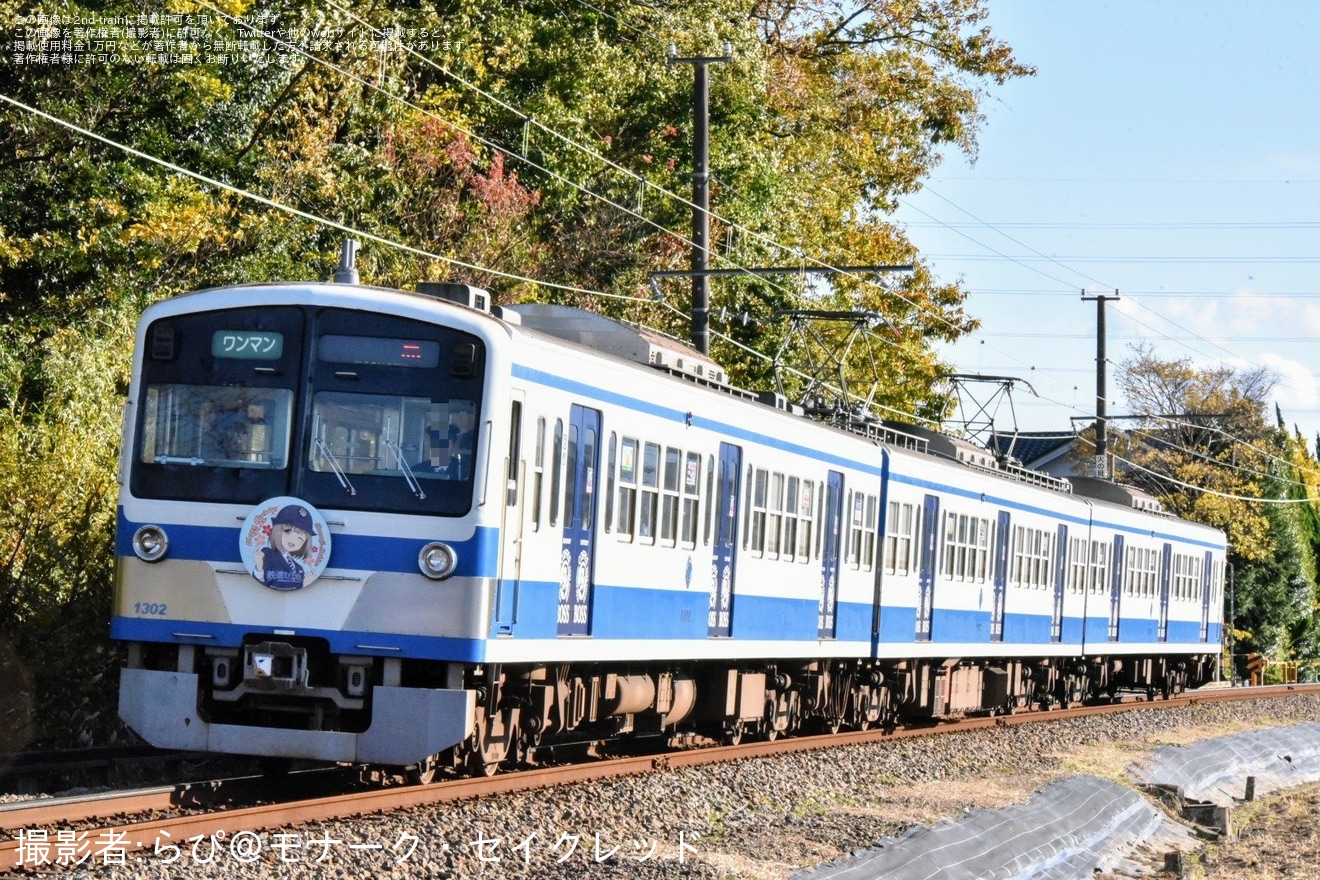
point(329, 456)
point(178, 459)
point(412, 481)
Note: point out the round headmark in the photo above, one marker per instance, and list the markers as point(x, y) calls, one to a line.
point(284, 543)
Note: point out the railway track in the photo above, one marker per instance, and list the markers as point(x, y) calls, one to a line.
point(114, 824)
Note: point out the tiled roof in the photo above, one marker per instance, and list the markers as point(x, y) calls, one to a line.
point(1029, 447)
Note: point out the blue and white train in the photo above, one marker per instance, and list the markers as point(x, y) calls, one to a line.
point(405, 529)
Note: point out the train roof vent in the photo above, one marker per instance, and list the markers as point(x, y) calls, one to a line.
point(463, 294)
point(637, 344)
point(1117, 493)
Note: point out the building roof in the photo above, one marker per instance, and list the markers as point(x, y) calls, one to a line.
point(1032, 448)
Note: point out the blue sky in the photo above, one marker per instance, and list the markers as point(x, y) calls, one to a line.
point(1169, 150)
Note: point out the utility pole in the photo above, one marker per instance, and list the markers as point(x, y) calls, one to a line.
point(1101, 436)
point(701, 190)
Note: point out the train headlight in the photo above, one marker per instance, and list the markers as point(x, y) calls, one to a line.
point(437, 560)
point(150, 543)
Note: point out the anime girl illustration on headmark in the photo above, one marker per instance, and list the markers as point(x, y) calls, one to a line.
point(282, 564)
point(284, 543)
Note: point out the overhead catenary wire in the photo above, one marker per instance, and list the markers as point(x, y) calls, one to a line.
point(1054, 260)
point(1215, 492)
point(594, 154)
point(343, 227)
point(408, 248)
point(1136, 301)
point(296, 212)
point(515, 155)
point(370, 236)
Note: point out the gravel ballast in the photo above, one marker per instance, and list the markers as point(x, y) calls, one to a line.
point(761, 818)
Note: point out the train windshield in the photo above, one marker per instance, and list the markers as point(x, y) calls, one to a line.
point(211, 425)
point(344, 409)
point(414, 439)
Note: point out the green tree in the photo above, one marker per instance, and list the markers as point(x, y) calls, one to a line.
point(1203, 446)
point(470, 151)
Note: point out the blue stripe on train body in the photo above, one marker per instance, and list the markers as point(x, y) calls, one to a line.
point(649, 593)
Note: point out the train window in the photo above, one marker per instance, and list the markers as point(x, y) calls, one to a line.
point(570, 478)
point(1045, 564)
point(515, 450)
point(669, 493)
point(650, 495)
point(556, 470)
point(967, 541)
point(415, 439)
point(824, 525)
point(791, 507)
point(774, 515)
point(986, 541)
point(868, 534)
point(710, 496)
point(1033, 552)
point(747, 510)
point(806, 505)
point(900, 537)
point(856, 528)
point(691, 498)
point(215, 417)
point(982, 540)
point(950, 529)
point(627, 488)
point(538, 473)
point(1142, 568)
point(1099, 573)
point(205, 425)
point(758, 490)
point(1076, 565)
point(609, 484)
point(1186, 576)
point(589, 481)
point(393, 425)
point(968, 549)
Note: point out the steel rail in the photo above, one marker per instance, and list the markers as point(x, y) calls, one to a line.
point(173, 830)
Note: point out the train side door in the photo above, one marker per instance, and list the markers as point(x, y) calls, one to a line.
point(1116, 588)
point(581, 459)
point(1003, 539)
point(1166, 564)
point(509, 579)
point(930, 528)
point(1060, 575)
point(719, 622)
point(1207, 572)
point(829, 574)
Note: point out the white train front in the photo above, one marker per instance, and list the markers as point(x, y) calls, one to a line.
point(371, 526)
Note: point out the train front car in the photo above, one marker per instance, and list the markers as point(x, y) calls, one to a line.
point(303, 566)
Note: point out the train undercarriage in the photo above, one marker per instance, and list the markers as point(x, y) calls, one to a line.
point(526, 713)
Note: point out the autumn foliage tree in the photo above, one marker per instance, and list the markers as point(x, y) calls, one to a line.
point(1202, 444)
point(538, 150)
